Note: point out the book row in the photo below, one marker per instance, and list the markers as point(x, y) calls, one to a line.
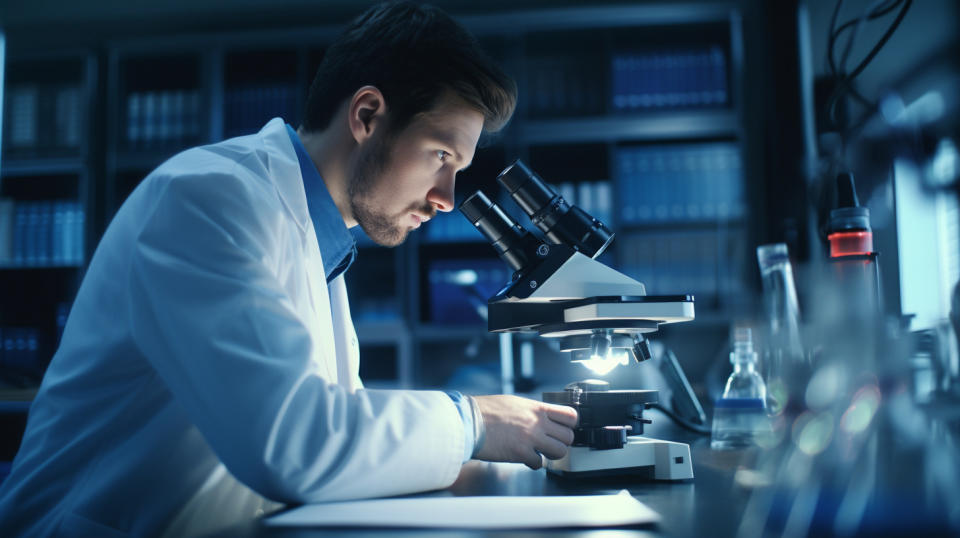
point(163, 118)
point(680, 183)
point(43, 118)
point(669, 79)
point(20, 355)
point(41, 234)
point(705, 263)
point(246, 110)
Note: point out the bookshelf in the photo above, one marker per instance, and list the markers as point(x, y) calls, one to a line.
point(650, 126)
point(46, 192)
point(609, 95)
point(156, 106)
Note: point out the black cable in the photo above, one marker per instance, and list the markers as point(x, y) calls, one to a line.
point(832, 37)
point(845, 84)
point(883, 40)
point(683, 423)
point(861, 20)
point(878, 12)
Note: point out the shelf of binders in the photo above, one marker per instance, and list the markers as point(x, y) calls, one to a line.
point(163, 103)
point(654, 125)
point(157, 120)
point(650, 83)
point(26, 347)
point(46, 103)
point(41, 234)
point(585, 73)
point(679, 184)
point(41, 166)
point(259, 86)
point(708, 264)
point(44, 199)
point(579, 172)
point(32, 321)
point(159, 105)
point(42, 221)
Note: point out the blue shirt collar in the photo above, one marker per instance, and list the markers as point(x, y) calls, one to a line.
point(337, 246)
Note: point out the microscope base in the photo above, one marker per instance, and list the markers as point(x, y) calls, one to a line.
point(657, 459)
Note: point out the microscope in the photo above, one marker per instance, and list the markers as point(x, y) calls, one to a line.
point(598, 315)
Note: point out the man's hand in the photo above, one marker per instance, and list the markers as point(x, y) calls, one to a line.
point(519, 429)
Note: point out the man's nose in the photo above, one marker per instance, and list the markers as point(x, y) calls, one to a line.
point(441, 195)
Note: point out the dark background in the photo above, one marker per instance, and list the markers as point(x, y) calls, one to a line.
point(412, 331)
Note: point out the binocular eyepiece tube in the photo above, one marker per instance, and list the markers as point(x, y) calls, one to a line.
point(561, 223)
point(508, 238)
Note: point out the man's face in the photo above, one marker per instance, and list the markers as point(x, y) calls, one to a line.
point(402, 179)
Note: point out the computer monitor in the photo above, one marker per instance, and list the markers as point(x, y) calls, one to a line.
point(928, 243)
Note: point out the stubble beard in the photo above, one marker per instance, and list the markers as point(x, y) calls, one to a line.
point(384, 229)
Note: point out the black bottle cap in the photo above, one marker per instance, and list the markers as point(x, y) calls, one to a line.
point(846, 191)
point(848, 215)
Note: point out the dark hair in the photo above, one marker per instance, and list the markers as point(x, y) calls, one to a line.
point(412, 54)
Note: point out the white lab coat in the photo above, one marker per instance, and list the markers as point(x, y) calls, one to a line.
point(206, 365)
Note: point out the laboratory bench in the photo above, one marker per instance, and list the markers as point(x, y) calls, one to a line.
point(708, 505)
point(733, 493)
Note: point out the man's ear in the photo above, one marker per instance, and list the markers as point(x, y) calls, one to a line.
point(366, 113)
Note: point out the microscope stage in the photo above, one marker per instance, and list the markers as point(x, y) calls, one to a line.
point(661, 309)
point(661, 460)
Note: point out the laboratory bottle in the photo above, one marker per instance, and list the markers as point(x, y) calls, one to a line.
point(740, 416)
point(853, 259)
point(786, 363)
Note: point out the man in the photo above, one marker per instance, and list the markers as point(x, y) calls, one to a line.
point(209, 365)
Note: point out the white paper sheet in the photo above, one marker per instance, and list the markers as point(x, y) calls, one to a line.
point(474, 512)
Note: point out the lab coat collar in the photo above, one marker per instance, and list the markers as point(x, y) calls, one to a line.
point(337, 246)
point(285, 169)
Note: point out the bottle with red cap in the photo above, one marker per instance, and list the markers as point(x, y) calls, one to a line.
point(852, 255)
point(850, 233)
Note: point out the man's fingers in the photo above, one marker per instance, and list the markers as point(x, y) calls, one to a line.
point(520, 430)
point(558, 432)
point(563, 414)
point(533, 460)
point(551, 448)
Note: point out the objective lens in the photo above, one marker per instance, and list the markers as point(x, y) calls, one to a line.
point(561, 223)
point(507, 237)
point(600, 342)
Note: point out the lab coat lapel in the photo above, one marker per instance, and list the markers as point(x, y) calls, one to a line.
point(320, 298)
point(285, 171)
point(348, 349)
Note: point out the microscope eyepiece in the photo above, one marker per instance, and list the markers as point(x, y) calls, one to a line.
point(510, 240)
point(561, 223)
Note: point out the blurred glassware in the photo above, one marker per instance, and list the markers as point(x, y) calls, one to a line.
point(740, 416)
point(784, 355)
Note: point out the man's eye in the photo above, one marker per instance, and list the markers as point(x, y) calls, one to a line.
point(442, 155)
